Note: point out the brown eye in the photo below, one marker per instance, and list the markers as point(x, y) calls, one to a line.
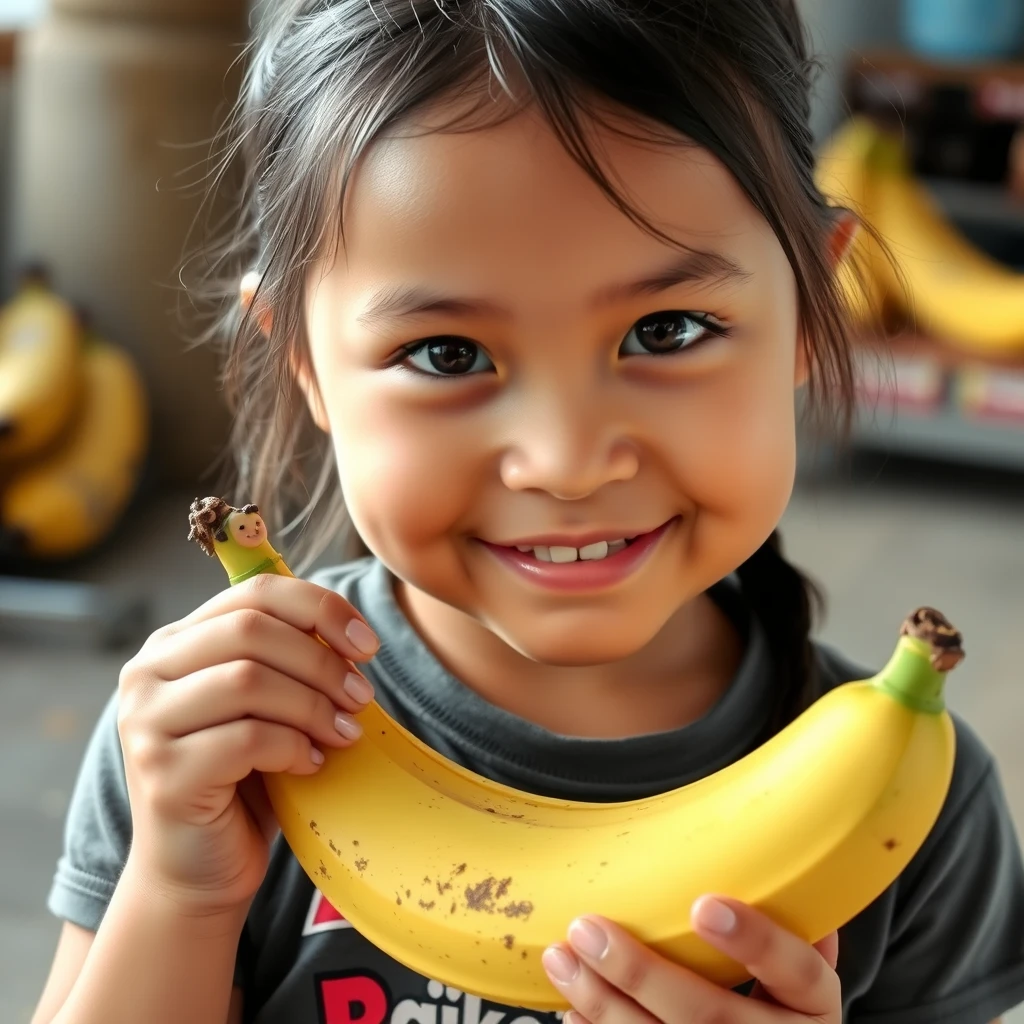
point(449, 357)
point(668, 332)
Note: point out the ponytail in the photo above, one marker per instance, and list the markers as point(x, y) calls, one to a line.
point(786, 603)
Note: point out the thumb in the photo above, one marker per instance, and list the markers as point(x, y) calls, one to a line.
point(828, 947)
point(254, 795)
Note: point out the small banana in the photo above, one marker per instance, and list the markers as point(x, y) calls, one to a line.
point(956, 291)
point(40, 363)
point(69, 499)
point(467, 881)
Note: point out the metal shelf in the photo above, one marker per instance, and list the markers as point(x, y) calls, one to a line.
point(943, 433)
point(991, 206)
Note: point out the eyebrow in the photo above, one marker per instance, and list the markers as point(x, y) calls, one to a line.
point(400, 301)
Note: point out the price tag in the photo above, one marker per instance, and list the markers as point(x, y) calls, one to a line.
point(916, 383)
point(991, 394)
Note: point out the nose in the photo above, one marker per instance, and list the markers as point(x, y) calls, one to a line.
point(567, 443)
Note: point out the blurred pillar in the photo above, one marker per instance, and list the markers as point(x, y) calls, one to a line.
point(227, 14)
point(114, 113)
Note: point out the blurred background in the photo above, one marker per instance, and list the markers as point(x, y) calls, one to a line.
point(110, 422)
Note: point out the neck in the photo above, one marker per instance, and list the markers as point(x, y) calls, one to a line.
point(672, 681)
point(238, 561)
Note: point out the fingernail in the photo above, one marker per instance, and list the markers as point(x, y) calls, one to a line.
point(715, 916)
point(347, 726)
point(358, 688)
point(363, 638)
point(316, 756)
point(587, 938)
point(562, 966)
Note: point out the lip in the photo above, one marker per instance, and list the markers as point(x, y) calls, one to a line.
point(577, 577)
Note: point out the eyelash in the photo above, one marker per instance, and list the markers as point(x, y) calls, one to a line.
point(711, 326)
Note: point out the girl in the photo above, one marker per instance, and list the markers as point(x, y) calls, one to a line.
point(547, 275)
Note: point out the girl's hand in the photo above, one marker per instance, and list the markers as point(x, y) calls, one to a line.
point(238, 687)
point(610, 978)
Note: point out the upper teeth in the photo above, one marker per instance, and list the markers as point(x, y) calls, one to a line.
point(590, 553)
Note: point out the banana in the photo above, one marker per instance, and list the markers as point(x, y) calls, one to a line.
point(842, 176)
point(71, 498)
point(956, 291)
point(933, 273)
point(39, 368)
point(468, 881)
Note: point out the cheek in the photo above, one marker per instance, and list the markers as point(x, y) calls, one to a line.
point(740, 464)
point(405, 480)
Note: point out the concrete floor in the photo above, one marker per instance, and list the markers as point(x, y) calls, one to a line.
point(881, 538)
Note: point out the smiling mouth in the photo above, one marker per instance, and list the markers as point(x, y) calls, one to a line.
point(594, 551)
point(562, 555)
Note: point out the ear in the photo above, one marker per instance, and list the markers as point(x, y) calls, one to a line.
point(303, 373)
point(247, 293)
point(306, 380)
point(842, 235)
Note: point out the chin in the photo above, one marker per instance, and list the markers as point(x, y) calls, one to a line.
point(574, 648)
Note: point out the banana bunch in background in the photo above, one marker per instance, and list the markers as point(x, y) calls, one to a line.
point(74, 428)
point(928, 271)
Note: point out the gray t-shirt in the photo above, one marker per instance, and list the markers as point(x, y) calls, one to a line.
point(943, 945)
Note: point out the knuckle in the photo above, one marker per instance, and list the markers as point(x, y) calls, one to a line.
point(327, 661)
point(301, 746)
point(126, 678)
point(146, 752)
point(332, 606)
point(251, 735)
point(251, 622)
point(633, 974)
point(321, 708)
point(161, 635)
point(714, 1015)
point(759, 947)
point(810, 971)
point(595, 1005)
point(245, 677)
point(261, 583)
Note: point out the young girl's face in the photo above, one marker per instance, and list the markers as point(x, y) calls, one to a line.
point(505, 360)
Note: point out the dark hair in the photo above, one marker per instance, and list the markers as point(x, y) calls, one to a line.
point(327, 77)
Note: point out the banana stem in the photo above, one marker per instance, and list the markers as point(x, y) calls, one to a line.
point(929, 648)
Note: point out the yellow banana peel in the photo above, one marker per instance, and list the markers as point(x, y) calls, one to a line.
point(941, 281)
point(40, 369)
point(70, 498)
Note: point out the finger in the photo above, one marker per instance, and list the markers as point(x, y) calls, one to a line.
point(574, 1017)
point(791, 971)
point(251, 635)
point(664, 990)
point(226, 754)
point(304, 605)
point(249, 689)
point(828, 947)
point(590, 994)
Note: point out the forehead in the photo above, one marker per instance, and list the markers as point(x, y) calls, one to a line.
point(510, 193)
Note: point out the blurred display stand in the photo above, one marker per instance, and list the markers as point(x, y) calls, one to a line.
point(108, 112)
point(962, 124)
point(57, 612)
point(116, 106)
